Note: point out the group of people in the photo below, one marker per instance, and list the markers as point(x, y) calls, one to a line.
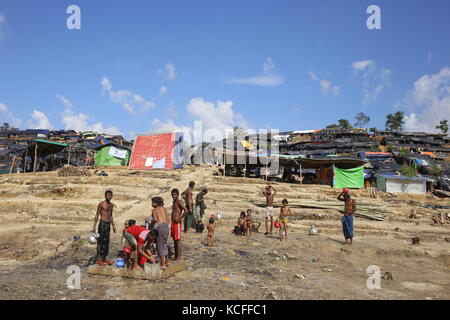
point(245, 223)
point(148, 242)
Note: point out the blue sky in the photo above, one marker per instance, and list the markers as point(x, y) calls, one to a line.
point(291, 65)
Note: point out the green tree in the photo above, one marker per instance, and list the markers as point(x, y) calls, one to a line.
point(7, 127)
point(361, 120)
point(408, 171)
point(373, 129)
point(342, 124)
point(394, 122)
point(443, 126)
point(237, 132)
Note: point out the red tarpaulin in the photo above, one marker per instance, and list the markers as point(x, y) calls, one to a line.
point(153, 152)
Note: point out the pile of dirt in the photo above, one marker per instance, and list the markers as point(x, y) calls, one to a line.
point(71, 171)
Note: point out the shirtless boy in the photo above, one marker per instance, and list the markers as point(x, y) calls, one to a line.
point(285, 212)
point(248, 223)
point(269, 192)
point(160, 222)
point(211, 228)
point(178, 213)
point(105, 212)
point(188, 198)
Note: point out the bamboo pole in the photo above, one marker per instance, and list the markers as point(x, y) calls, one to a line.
point(245, 166)
point(224, 163)
point(267, 160)
point(301, 174)
point(35, 157)
point(25, 161)
point(12, 165)
point(68, 158)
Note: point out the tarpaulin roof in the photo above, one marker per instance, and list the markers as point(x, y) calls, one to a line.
point(391, 175)
point(46, 147)
point(51, 142)
point(110, 144)
point(349, 178)
point(375, 154)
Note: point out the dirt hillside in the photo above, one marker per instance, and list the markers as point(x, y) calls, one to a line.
point(41, 213)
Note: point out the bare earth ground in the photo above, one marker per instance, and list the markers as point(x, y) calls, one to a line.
point(40, 213)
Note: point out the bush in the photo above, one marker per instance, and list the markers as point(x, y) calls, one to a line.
point(408, 171)
point(434, 171)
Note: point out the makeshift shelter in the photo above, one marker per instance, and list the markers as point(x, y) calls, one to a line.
point(157, 151)
point(390, 182)
point(112, 155)
point(42, 148)
point(348, 178)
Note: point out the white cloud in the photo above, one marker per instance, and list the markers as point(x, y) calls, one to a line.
point(262, 81)
point(372, 78)
point(2, 26)
point(268, 79)
point(10, 117)
point(218, 115)
point(268, 65)
point(326, 86)
point(106, 84)
point(80, 121)
point(429, 57)
point(430, 102)
point(170, 68)
point(362, 65)
point(169, 72)
point(131, 102)
point(162, 91)
point(217, 120)
point(66, 102)
point(40, 121)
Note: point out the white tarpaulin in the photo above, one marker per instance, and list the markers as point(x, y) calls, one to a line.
point(160, 164)
point(121, 154)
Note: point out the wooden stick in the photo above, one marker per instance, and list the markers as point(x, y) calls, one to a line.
point(68, 158)
point(35, 157)
point(12, 165)
point(25, 161)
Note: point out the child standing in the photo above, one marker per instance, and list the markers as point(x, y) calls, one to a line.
point(285, 212)
point(211, 228)
point(248, 223)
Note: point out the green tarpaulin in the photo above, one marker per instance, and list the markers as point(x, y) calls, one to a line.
point(103, 157)
point(349, 178)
